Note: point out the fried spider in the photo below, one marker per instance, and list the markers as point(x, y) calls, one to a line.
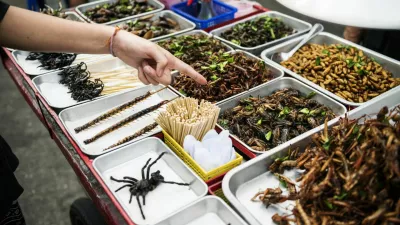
point(148, 183)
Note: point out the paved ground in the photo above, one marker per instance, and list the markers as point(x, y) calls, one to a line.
point(49, 182)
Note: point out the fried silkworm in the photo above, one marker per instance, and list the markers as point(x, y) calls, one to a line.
point(115, 110)
point(135, 135)
point(125, 121)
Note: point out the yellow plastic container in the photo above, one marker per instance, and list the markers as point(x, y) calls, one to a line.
point(206, 176)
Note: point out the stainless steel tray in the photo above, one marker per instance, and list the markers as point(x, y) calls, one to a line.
point(327, 38)
point(300, 26)
point(185, 25)
point(56, 94)
point(194, 32)
point(80, 114)
point(277, 73)
point(284, 82)
point(166, 198)
point(390, 99)
point(242, 182)
point(81, 9)
point(74, 16)
point(208, 210)
point(32, 67)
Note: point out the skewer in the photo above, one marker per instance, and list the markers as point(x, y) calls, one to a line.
point(127, 120)
point(116, 110)
point(135, 135)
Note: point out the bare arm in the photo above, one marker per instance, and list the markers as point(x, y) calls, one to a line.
point(26, 30)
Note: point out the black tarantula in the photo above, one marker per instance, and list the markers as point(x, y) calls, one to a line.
point(145, 185)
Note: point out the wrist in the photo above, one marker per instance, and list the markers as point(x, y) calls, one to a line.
point(118, 44)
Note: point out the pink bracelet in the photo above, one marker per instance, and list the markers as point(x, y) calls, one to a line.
point(110, 41)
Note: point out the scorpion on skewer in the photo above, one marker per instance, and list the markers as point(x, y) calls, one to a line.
point(116, 110)
point(135, 135)
point(127, 120)
point(149, 182)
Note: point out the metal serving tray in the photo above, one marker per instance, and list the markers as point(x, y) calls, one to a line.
point(277, 73)
point(74, 16)
point(208, 210)
point(81, 9)
point(300, 26)
point(80, 114)
point(185, 25)
point(31, 67)
point(268, 89)
point(391, 99)
point(166, 198)
point(194, 32)
point(242, 182)
point(327, 38)
point(57, 95)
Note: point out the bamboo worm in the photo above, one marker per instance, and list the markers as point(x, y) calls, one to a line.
point(116, 110)
point(126, 121)
point(135, 135)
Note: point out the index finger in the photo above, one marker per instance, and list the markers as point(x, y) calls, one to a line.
point(188, 70)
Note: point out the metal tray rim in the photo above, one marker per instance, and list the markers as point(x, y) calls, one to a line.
point(160, 5)
point(53, 73)
point(265, 44)
point(146, 135)
point(206, 198)
point(16, 51)
point(76, 15)
point(173, 14)
point(308, 82)
point(301, 135)
point(170, 151)
point(250, 55)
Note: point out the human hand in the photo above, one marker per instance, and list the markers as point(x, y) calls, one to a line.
point(153, 62)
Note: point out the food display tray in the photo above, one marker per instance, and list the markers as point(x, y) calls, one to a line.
point(327, 38)
point(185, 25)
point(57, 95)
point(80, 114)
point(208, 210)
point(391, 99)
point(270, 88)
point(74, 16)
point(300, 26)
point(31, 67)
point(194, 32)
point(276, 73)
point(81, 9)
point(166, 198)
point(242, 182)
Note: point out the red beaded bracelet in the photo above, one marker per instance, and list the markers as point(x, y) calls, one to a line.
point(110, 41)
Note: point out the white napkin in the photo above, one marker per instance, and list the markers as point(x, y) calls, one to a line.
point(214, 151)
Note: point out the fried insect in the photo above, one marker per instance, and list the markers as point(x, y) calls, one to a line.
point(192, 48)
point(266, 122)
point(126, 121)
point(119, 9)
point(55, 12)
point(148, 183)
point(228, 75)
point(149, 28)
point(135, 135)
point(259, 31)
point(343, 70)
point(52, 61)
point(351, 173)
point(116, 110)
point(77, 79)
